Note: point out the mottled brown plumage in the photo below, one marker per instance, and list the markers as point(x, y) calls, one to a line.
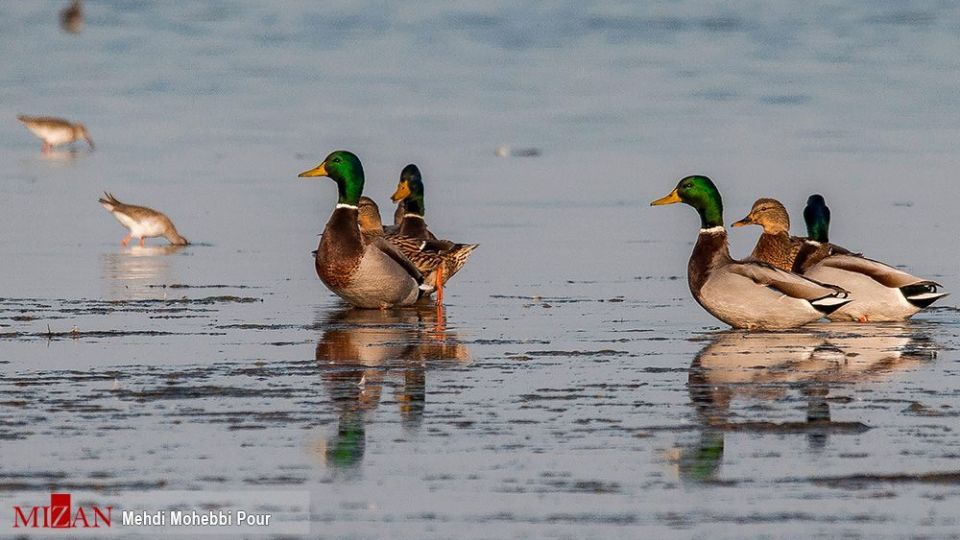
point(775, 245)
point(429, 256)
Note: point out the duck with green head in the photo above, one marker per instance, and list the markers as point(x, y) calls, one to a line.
point(744, 294)
point(367, 275)
point(409, 195)
point(881, 292)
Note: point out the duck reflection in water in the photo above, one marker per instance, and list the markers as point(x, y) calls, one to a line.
point(360, 352)
point(748, 366)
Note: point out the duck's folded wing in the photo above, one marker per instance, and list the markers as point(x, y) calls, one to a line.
point(394, 253)
point(788, 283)
point(886, 275)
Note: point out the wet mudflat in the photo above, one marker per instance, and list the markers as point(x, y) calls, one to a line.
point(572, 388)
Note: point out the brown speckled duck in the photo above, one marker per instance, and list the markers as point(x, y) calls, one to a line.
point(775, 245)
point(372, 274)
point(437, 260)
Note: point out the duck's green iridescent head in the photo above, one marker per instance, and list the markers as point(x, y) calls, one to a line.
point(700, 193)
point(410, 190)
point(817, 217)
point(345, 169)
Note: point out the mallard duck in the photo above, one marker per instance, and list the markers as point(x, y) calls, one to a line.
point(744, 294)
point(775, 245)
point(367, 275)
point(143, 222)
point(437, 260)
point(880, 292)
point(410, 194)
point(55, 131)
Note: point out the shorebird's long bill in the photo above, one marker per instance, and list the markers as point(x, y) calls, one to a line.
point(672, 198)
point(89, 141)
point(319, 170)
point(403, 190)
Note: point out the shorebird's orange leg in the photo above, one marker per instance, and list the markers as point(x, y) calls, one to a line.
point(46, 147)
point(126, 240)
point(141, 241)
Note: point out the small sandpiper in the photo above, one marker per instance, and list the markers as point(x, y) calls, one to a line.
point(143, 222)
point(55, 131)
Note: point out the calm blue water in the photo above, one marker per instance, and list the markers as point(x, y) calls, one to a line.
point(540, 408)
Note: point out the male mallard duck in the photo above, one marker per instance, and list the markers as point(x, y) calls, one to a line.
point(744, 294)
point(410, 194)
point(437, 260)
point(775, 245)
point(367, 275)
point(880, 292)
point(55, 131)
point(143, 222)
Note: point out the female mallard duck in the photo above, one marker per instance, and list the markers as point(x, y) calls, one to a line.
point(409, 194)
point(775, 245)
point(367, 275)
point(744, 294)
point(880, 292)
point(437, 260)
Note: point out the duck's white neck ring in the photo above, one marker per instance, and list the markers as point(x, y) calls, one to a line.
point(713, 230)
point(345, 205)
point(813, 243)
point(418, 216)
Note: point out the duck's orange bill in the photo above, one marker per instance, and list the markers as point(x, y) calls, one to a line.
point(403, 190)
point(319, 170)
point(672, 198)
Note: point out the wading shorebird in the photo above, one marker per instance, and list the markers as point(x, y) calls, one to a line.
point(880, 292)
point(744, 294)
point(55, 131)
point(367, 275)
point(143, 222)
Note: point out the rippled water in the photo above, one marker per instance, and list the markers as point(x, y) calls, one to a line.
point(573, 388)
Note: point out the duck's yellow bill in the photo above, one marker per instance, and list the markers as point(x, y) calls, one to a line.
point(672, 198)
point(742, 222)
point(403, 190)
point(319, 170)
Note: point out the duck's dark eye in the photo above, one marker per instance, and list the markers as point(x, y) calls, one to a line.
point(336, 160)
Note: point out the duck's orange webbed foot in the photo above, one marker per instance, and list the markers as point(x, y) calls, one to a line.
point(863, 319)
point(438, 284)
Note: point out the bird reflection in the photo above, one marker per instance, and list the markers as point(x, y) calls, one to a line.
point(360, 352)
point(740, 366)
point(133, 272)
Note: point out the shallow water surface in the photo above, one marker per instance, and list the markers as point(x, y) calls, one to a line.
point(572, 387)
